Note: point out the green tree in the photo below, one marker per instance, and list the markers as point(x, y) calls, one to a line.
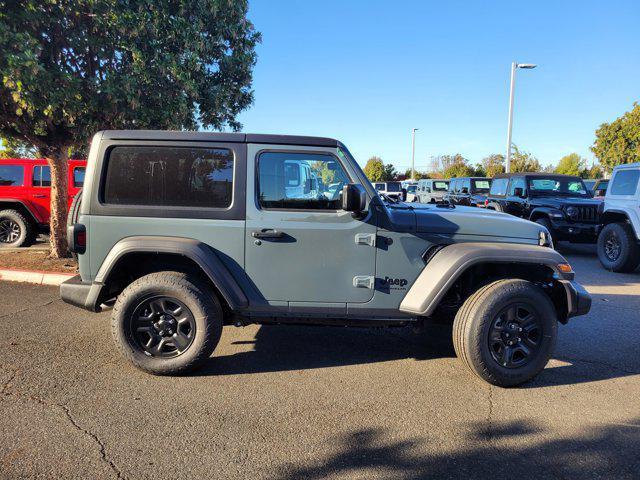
point(390, 172)
point(374, 169)
point(572, 164)
point(12, 148)
point(456, 166)
point(522, 161)
point(493, 164)
point(418, 175)
point(594, 172)
point(618, 142)
point(68, 69)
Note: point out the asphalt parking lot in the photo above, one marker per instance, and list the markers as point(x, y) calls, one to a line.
point(318, 402)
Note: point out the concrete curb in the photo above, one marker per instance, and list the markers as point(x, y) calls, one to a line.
point(32, 276)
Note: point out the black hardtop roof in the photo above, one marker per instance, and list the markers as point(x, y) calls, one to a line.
point(175, 135)
point(470, 178)
point(534, 174)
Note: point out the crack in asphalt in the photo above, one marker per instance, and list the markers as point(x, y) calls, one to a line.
point(28, 308)
point(5, 391)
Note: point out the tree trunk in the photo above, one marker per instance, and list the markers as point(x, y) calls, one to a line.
point(59, 163)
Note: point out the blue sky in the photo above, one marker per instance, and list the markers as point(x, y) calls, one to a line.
point(367, 72)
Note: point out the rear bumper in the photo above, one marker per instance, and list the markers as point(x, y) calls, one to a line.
point(81, 294)
point(578, 299)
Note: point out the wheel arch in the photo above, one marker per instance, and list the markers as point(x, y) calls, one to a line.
point(469, 265)
point(134, 257)
point(541, 212)
point(614, 216)
point(22, 207)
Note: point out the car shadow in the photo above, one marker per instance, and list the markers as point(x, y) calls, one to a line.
point(529, 451)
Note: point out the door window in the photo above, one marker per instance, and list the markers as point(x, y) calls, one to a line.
point(11, 176)
point(499, 186)
point(516, 183)
point(465, 184)
point(301, 181)
point(41, 176)
point(78, 177)
point(625, 182)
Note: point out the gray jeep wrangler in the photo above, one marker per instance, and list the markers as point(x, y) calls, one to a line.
point(184, 232)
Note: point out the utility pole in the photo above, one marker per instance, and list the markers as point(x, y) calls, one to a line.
point(413, 153)
point(514, 67)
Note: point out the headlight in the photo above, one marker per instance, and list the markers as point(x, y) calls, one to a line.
point(572, 212)
point(544, 239)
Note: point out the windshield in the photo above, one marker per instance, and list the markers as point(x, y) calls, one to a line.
point(412, 188)
point(393, 187)
point(481, 185)
point(440, 186)
point(571, 187)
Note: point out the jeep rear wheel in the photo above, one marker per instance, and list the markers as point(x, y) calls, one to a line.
point(167, 323)
point(506, 332)
point(618, 248)
point(15, 229)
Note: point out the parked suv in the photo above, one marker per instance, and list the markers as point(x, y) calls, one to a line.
point(431, 190)
point(390, 189)
point(25, 198)
point(560, 203)
point(618, 248)
point(190, 231)
point(469, 191)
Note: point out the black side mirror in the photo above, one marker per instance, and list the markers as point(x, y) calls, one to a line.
point(354, 198)
point(518, 192)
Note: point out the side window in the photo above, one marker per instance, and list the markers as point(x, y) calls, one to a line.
point(169, 176)
point(625, 182)
point(11, 176)
point(78, 177)
point(466, 183)
point(379, 187)
point(516, 183)
point(499, 186)
point(41, 176)
point(452, 185)
point(301, 181)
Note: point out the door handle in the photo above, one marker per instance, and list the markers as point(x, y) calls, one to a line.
point(267, 233)
point(39, 196)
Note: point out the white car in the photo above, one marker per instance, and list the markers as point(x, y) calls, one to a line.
point(619, 238)
point(431, 190)
point(390, 189)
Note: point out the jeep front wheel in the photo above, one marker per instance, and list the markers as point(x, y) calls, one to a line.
point(167, 323)
point(15, 229)
point(618, 248)
point(506, 332)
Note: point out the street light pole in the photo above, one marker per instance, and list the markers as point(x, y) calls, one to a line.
point(514, 67)
point(413, 153)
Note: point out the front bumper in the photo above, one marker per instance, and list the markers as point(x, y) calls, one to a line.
point(81, 294)
point(575, 230)
point(578, 299)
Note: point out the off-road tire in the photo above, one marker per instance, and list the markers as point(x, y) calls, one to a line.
point(547, 224)
point(473, 321)
point(27, 229)
point(72, 217)
point(195, 295)
point(629, 257)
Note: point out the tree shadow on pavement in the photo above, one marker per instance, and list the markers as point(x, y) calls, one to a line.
point(504, 450)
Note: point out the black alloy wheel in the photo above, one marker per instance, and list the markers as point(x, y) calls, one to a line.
point(515, 336)
point(612, 246)
point(163, 327)
point(10, 231)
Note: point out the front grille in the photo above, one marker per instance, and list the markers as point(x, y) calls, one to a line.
point(586, 214)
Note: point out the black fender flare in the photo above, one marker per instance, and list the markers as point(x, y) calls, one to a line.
point(200, 253)
point(452, 261)
point(543, 212)
point(24, 205)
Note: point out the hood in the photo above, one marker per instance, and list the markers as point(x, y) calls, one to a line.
point(562, 201)
point(473, 221)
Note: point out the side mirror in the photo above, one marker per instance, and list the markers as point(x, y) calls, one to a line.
point(518, 192)
point(601, 192)
point(354, 198)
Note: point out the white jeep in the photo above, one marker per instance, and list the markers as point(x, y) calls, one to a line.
point(619, 238)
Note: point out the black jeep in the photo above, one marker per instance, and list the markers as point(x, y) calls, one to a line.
point(562, 203)
point(469, 191)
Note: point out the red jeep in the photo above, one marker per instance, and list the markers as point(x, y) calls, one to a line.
point(25, 196)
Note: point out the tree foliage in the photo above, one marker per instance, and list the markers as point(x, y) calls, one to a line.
point(70, 68)
point(12, 148)
point(572, 164)
point(618, 142)
point(456, 166)
point(377, 171)
point(493, 164)
point(522, 161)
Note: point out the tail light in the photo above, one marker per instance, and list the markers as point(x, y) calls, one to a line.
point(77, 238)
point(486, 202)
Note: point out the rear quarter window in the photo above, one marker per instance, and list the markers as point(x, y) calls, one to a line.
point(499, 186)
point(11, 176)
point(169, 176)
point(625, 182)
